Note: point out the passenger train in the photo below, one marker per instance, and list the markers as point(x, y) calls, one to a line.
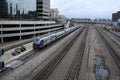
point(41, 42)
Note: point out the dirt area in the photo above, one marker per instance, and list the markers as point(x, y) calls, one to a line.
point(100, 63)
point(114, 71)
point(87, 71)
point(93, 62)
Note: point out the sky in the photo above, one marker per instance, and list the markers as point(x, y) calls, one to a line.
point(86, 8)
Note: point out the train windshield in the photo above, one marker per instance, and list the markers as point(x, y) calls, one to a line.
point(37, 41)
point(41, 42)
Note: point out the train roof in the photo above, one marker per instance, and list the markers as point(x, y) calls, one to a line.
point(60, 32)
point(45, 37)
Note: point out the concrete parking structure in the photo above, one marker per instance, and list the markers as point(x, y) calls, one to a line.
point(26, 29)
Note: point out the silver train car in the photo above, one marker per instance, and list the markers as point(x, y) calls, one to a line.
point(41, 42)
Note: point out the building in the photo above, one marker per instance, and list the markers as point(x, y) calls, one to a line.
point(3, 9)
point(103, 21)
point(43, 9)
point(82, 20)
point(21, 9)
point(24, 24)
point(115, 16)
point(54, 13)
point(18, 30)
point(62, 19)
point(16, 9)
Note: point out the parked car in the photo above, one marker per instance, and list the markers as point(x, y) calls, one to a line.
point(22, 48)
point(19, 50)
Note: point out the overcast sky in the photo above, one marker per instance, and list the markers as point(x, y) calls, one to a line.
point(86, 8)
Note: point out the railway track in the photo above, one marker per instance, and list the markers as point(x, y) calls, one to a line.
point(112, 51)
point(48, 69)
point(74, 69)
point(34, 53)
point(113, 37)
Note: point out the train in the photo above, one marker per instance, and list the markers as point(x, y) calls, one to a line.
point(39, 43)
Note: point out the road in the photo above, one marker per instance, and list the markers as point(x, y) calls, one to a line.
point(89, 53)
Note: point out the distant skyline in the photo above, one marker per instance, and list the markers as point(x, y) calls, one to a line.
point(86, 8)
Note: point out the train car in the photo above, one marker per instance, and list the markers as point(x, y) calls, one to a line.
point(60, 34)
point(69, 30)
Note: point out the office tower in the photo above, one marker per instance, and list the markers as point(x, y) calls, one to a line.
point(3, 9)
point(43, 9)
point(17, 9)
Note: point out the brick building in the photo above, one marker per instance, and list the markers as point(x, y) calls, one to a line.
point(115, 16)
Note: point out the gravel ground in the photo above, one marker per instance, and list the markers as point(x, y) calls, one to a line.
point(114, 71)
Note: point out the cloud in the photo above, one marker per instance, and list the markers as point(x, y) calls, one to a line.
point(87, 8)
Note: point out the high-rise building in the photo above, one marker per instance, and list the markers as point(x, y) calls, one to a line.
point(16, 9)
point(116, 16)
point(3, 9)
point(43, 9)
